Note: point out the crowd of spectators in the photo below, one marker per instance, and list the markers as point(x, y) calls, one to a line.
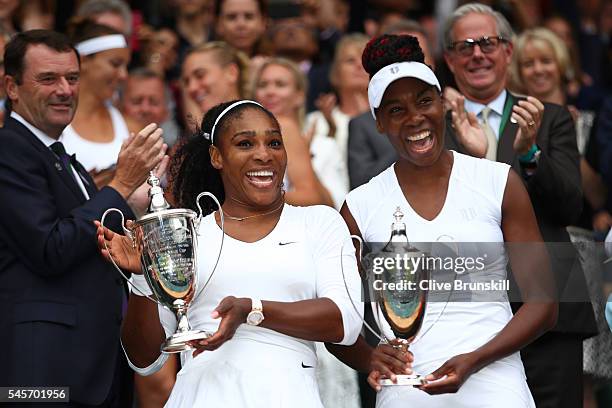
point(301, 59)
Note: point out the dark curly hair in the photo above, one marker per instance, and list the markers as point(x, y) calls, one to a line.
point(388, 49)
point(191, 171)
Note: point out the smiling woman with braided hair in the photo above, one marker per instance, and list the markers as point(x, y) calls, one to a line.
point(468, 351)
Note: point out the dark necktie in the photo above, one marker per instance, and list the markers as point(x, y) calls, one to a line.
point(66, 159)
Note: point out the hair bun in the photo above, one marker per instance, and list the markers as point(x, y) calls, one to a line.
point(388, 49)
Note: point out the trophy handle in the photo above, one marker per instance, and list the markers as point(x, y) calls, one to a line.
point(197, 225)
point(130, 235)
point(381, 336)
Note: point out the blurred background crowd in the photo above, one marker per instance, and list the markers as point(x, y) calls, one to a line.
point(302, 61)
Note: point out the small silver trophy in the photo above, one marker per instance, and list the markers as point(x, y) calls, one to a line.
point(167, 240)
point(403, 308)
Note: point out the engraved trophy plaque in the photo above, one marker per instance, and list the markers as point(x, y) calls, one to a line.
point(167, 240)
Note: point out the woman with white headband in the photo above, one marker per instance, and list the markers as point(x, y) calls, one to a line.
point(278, 286)
point(468, 350)
point(98, 128)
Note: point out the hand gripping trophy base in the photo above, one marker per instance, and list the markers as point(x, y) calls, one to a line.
point(181, 339)
point(403, 379)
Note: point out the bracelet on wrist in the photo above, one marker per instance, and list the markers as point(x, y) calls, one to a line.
point(530, 156)
point(139, 285)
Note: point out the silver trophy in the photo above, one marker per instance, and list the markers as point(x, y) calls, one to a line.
point(167, 241)
point(400, 297)
point(396, 293)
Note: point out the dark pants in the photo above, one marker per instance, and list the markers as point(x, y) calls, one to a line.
point(553, 364)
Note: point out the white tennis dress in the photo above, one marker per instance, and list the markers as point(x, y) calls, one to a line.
point(298, 260)
point(471, 214)
point(96, 155)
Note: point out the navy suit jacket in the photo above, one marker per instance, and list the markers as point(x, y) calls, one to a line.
point(60, 301)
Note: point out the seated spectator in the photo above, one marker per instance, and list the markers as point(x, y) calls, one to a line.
point(146, 99)
point(242, 24)
point(541, 68)
point(160, 52)
point(293, 39)
point(7, 16)
point(212, 73)
point(350, 83)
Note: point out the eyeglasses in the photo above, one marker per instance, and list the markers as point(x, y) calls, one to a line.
point(487, 45)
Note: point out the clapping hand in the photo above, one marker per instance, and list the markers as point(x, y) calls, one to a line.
point(233, 312)
point(139, 154)
point(528, 114)
point(120, 247)
point(387, 361)
point(469, 133)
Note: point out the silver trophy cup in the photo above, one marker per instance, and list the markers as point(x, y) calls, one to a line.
point(167, 241)
point(397, 296)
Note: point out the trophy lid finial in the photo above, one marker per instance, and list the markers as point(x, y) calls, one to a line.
point(156, 194)
point(398, 215)
point(398, 228)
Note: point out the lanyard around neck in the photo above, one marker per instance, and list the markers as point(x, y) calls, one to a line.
point(506, 114)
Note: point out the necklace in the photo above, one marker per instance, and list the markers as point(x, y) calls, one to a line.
point(255, 215)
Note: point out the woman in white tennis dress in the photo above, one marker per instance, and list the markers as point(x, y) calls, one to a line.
point(98, 128)
point(467, 349)
point(279, 271)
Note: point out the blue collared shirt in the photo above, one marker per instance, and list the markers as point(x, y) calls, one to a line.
point(497, 110)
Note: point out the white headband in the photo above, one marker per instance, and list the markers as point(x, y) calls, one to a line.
point(210, 136)
point(106, 42)
point(383, 78)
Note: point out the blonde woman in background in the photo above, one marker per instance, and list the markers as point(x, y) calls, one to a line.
point(541, 67)
point(280, 87)
point(212, 73)
point(350, 83)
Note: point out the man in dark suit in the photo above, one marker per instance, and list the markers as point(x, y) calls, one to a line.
point(61, 302)
point(538, 141)
point(369, 152)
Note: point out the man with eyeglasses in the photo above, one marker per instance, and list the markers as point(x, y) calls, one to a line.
point(538, 140)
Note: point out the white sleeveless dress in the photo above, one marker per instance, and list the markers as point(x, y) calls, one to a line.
point(261, 368)
point(471, 214)
point(94, 155)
